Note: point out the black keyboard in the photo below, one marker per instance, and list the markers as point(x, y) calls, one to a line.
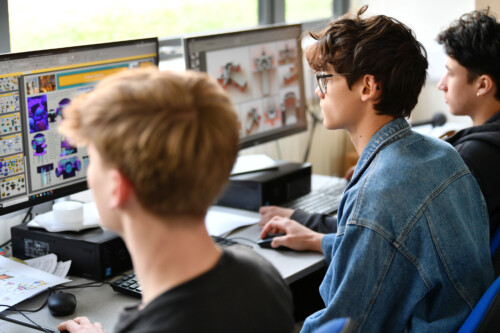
point(324, 201)
point(129, 285)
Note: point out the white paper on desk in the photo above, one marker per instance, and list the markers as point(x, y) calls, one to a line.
point(46, 263)
point(220, 220)
point(19, 282)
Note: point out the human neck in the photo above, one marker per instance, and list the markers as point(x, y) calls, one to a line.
point(363, 131)
point(487, 110)
point(168, 253)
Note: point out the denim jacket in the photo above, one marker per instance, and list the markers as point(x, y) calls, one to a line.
point(411, 253)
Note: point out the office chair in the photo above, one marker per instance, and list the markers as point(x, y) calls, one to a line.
point(338, 325)
point(495, 251)
point(484, 317)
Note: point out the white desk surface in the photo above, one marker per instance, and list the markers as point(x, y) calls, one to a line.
point(104, 305)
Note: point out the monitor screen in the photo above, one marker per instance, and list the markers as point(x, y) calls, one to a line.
point(262, 71)
point(37, 164)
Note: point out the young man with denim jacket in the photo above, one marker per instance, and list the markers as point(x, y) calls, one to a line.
point(411, 251)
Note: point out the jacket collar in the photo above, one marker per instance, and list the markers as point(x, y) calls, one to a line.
point(389, 133)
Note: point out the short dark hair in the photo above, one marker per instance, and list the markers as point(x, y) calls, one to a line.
point(474, 41)
point(380, 46)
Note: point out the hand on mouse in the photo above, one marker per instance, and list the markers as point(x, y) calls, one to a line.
point(81, 325)
point(268, 212)
point(298, 237)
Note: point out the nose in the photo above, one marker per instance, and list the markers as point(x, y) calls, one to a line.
point(319, 93)
point(441, 84)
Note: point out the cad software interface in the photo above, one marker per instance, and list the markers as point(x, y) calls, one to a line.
point(36, 162)
point(261, 70)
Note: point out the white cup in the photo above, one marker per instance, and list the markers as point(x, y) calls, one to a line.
point(68, 213)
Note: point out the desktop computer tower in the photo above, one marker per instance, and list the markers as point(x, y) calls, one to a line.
point(250, 191)
point(95, 254)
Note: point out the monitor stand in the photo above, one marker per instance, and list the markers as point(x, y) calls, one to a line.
point(253, 163)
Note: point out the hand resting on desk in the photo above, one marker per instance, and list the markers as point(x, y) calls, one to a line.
point(268, 212)
point(298, 237)
point(80, 325)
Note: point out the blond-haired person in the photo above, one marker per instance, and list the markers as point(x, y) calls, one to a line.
point(161, 146)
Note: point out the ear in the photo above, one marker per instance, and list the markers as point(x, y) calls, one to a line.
point(121, 189)
point(370, 88)
point(484, 84)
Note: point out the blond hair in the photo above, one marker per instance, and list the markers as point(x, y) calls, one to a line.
point(173, 136)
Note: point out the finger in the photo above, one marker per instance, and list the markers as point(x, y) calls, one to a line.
point(278, 241)
point(273, 226)
point(82, 320)
point(98, 325)
point(69, 325)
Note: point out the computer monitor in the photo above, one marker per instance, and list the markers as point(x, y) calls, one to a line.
point(37, 164)
point(262, 71)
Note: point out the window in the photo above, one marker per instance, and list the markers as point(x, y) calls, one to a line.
point(38, 24)
point(299, 10)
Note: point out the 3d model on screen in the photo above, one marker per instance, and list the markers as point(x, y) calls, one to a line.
point(231, 75)
point(263, 65)
point(38, 113)
point(252, 121)
point(289, 106)
point(45, 171)
point(38, 144)
point(62, 104)
point(67, 149)
point(68, 167)
point(287, 56)
point(273, 117)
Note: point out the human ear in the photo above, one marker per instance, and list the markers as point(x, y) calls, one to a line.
point(371, 89)
point(484, 84)
point(121, 189)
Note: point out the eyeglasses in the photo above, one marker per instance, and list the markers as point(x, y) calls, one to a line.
point(322, 80)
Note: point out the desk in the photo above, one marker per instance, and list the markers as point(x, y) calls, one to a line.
point(104, 305)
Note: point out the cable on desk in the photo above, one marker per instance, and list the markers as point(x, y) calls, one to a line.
point(35, 325)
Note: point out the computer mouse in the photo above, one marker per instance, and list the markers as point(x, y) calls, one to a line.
point(265, 243)
point(61, 304)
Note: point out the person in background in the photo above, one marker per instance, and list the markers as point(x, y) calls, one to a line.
point(471, 88)
point(405, 256)
point(152, 137)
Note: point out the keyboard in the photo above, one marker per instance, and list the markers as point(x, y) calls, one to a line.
point(325, 200)
point(129, 285)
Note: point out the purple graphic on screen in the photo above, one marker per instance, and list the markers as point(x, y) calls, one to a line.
point(67, 149)
point(68, 167)
point(39, 145)
point(38, 113)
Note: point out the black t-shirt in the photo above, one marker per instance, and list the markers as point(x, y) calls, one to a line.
point(242, 293)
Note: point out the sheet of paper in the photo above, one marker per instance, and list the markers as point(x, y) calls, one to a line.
point(46, 263)
point(19, 282)
point(252, 163)
point(62, 268)
point(221, 220)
